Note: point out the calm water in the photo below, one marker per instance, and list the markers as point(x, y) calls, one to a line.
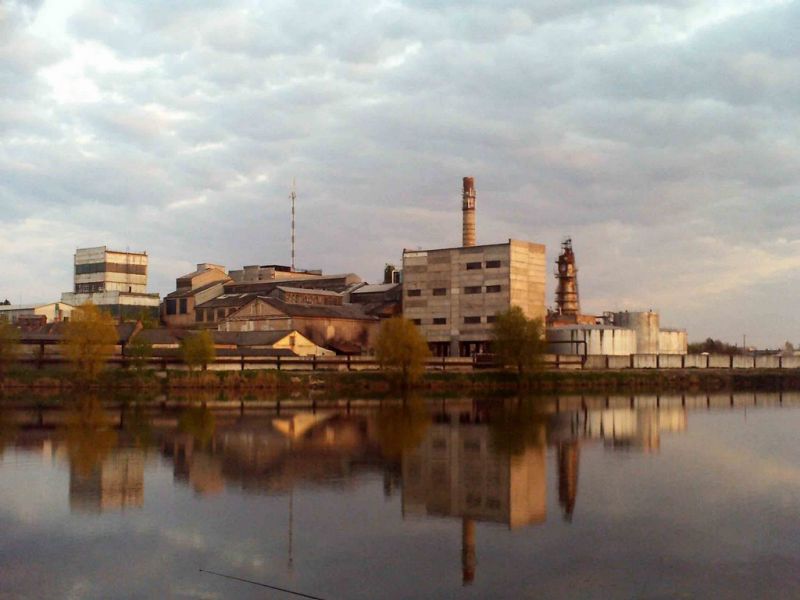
point(589, 497)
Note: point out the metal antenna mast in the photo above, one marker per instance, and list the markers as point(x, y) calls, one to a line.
point(293, 197)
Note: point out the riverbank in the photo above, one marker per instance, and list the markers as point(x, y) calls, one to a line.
point(377, 383)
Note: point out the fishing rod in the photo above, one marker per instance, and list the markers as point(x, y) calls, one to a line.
point(264, 585)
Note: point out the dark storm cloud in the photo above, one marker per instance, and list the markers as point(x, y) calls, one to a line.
point(662, 136)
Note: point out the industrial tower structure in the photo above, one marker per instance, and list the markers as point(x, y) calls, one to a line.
point(468, 208)
point(567, 300)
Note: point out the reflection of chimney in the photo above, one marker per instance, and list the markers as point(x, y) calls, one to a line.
point(468, 208)
point(467, 551)
point(568, 460)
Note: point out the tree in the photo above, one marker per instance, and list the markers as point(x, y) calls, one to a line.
point(518, 340)
point(401, 348)
point(198, 350)
point(200, 423)
point(9, 344)
point(140, 350)
point(90, 338)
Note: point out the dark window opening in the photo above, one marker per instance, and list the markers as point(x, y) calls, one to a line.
point(472, 289)
point(439, 321)
point(416, 321)
point(492, 289)
point(472, 320)
point(491, 319)
point(472, 266)
point(412, 293)
point(183, 307)
point(439, 291)
point(492, 264)
point(171, 306)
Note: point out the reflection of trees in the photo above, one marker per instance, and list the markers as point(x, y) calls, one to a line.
point(8, 431)
point(402, 426)
point(89, 434)
point(198, 422)
point(516, 425)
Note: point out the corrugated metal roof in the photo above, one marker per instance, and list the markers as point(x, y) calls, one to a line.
point(375, 288)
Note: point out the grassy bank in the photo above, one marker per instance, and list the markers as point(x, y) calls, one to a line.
point(381, 383)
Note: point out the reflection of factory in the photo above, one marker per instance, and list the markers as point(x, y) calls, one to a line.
point(456, 472)
point(115, 483)
point(305, 447)
point(618, 428)
point(614, 333)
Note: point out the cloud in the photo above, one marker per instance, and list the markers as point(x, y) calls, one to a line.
point(661, 136)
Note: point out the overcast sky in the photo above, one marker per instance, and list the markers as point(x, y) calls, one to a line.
point(662, 136)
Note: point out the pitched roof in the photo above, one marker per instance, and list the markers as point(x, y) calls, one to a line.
point(344, 311)
point(228, 300)
point(192, 292)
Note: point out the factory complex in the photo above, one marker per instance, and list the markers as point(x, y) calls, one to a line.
point(453, 295)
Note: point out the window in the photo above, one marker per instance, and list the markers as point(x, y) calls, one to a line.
point(473, 266)
point(491, 319)
point(198, 315)
point(472, 289)
point(492, 289)
point(492, 264)
point(440, 291)
point(439, 321)
point(171, 306)
point(220, 314)
point(416, 321)
point(182, 306)
point(472, 320)
point(412, 293)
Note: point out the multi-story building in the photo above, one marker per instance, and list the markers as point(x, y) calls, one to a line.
point(454, 294)
point(114, 280)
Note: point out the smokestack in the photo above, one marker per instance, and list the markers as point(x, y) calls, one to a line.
point(468, 208)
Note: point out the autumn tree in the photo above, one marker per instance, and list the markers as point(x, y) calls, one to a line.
point(9, 345)
point(400, 348)
point(90, 338)
point(518, 340)
point(198, 350)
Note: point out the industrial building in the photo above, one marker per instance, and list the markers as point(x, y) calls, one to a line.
point(454, 294)
point(613, 333)
point(35, 314)
point(201, 285)
point(113, 280)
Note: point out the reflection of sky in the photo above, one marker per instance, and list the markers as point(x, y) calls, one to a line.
point(714, 510)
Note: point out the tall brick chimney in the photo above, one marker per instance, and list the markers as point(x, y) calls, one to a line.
point(468, 208)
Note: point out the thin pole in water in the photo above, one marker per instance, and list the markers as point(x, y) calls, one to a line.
point(264, 585)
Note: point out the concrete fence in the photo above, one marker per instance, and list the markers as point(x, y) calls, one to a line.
point(455, 364)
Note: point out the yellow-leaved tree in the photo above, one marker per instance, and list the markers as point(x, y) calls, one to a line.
point(9, 345)
point(401, 348)
point(90, 339)
point(198, 350)
point(518, 340)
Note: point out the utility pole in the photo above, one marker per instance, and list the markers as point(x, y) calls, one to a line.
point(293, 197)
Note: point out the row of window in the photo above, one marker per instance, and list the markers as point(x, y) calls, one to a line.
point(470, 289)
point(467, 320)
point(489, 264)
point(109, 267)
point(210, 315)
point(177, 306)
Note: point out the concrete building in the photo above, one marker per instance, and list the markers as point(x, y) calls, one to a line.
point(591, 339)
point(113, 280)
point(453, 294)
point(53, 312)
point(345, 328)
point(650, 338)
point(203, 284)
point(254, 273)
